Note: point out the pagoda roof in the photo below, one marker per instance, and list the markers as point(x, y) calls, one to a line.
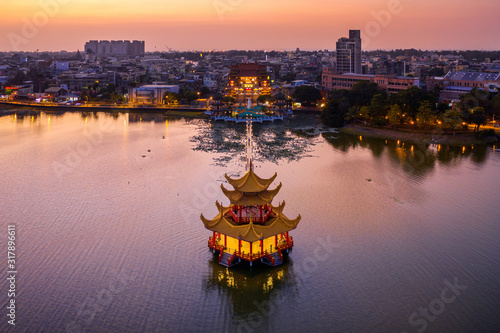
point(250, 182)
point(251, 232)
point(246, 199)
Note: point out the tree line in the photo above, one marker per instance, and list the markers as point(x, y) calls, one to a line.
point(412, 108)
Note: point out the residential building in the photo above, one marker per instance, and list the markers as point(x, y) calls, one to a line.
point(390, 83)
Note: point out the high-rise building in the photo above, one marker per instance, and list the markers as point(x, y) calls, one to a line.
point(349, 53)
point(115, 48)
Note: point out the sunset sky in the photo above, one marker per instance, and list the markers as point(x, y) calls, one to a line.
point(29, 25)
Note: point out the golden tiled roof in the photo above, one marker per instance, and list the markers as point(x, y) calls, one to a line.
point(277, 224)
point(251, 199)
point(250, 182)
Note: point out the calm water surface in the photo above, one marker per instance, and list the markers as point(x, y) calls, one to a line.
point(109, 237)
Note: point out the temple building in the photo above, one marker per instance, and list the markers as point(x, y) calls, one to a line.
point(248, 81)
point(250, 228)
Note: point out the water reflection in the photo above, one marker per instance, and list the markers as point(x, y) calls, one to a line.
point(273, 142)
point(415, 159)
point(251, 293)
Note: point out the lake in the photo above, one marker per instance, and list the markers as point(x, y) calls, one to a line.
point(394, 237)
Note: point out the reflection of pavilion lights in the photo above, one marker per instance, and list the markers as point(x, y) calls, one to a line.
point(439, 147)
point(463, 150)
point(398, 142)
point(360, 138)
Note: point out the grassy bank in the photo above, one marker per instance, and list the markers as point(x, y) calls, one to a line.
point(460, 138)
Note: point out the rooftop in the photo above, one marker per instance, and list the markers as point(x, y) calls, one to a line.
point(472, 76)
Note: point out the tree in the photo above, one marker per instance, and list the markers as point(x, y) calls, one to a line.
point(307, 94)
point(495, 106)
point(335, 112)
point(229, 99)
point(410, 100)
point(378, 106)
point(205, 91)
point(478, 117)
point(395, 115)
point(187, 96)
point(171, 98)
point(264, 98)
point(451, 119)
point(362, 92)
point(425, 115)
point(288, 77)
point(442, 108)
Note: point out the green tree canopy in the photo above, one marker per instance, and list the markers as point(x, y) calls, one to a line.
point(264, 98)
point(171, 98)
point(288, 77)
point(425, 115)
point(308, 95)
point(335, 112)
point(378, 106)
point(478, 117)
point(395, 115)
point(362, 92)
point(451, 119)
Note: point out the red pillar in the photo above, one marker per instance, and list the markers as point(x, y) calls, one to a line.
point(239, 247)
point(286, 237)
point(260, 213)
point(213, 238)
point(239, 214)
point(225, 241)
point(261, 246)
point(250, 249)
point(275, 240)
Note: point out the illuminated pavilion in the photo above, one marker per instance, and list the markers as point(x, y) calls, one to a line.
point(251, 228)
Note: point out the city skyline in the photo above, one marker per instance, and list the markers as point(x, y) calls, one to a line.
point(54, 25)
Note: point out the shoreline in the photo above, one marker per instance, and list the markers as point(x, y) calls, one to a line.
point(436, 137)
point(175, 112)
point(123, 107)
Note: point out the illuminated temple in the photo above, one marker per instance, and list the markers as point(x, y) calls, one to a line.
point(248, 81)
point(250, 228)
